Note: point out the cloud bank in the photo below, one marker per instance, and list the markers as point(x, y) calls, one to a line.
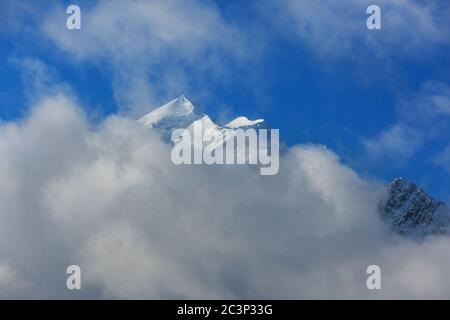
point(108, 198)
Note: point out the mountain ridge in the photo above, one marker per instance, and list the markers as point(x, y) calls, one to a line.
point(408, 209)
point(180, 113)
point(412, 212)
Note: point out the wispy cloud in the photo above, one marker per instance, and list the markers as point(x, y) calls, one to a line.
point(398, 142)
point(338, 28)
point(421, 117)
point(136, 38)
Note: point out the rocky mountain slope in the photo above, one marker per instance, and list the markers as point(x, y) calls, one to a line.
point(412, 212)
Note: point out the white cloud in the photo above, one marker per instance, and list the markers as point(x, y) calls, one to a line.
point(338, 28)
point(109, 199)
point(443, 158)
point(421, 117)
point(135, 38)
point(399, 142)
point(11, 284)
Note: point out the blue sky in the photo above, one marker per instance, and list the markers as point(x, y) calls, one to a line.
point(379, 99)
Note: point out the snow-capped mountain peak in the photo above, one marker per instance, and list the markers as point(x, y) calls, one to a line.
point(179, 111)
point(412, 212)
point(243, 122)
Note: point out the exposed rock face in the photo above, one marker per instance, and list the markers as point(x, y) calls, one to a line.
point(412, 212)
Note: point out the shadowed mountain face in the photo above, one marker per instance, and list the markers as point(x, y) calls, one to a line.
point(180, 113)
point(412, 212)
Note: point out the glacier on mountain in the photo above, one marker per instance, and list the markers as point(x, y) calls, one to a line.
point(180, 113)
